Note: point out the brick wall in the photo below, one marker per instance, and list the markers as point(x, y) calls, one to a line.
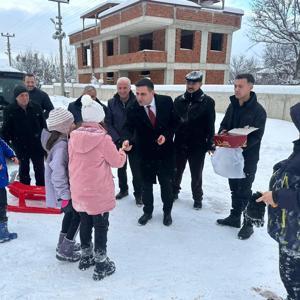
point(214, 77)
point(122, 16)
point(217, 57)
point(179, 76)
point(159, 10)
point(208, 17)
point(133, 44)
point(84, 78)
point(132, 13)
point(96, 55)
point(187, 55)
point(83, 35)
point(79, 57)
point(159, 40)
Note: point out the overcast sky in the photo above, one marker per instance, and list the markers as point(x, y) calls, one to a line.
point(30, 21)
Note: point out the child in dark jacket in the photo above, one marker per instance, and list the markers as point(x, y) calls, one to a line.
point(5, 152)
point(284, 214)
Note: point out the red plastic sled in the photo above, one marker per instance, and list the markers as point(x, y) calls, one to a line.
point(29, 192)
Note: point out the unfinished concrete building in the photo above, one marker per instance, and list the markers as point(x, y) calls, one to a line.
point(162, 40)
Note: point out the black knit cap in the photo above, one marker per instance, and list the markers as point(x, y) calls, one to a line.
point(19, 89)
point(295, 115)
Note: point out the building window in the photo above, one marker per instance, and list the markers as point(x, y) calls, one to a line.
point(216, 41)
point(86, 59)
point(187, 39)
point(110, 47)
point(146, 41)
point(110, 78)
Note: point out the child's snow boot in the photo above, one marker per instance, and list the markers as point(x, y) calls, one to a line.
point(104, 266)
point(5, 235)
point(66, 251)
point(87, 258)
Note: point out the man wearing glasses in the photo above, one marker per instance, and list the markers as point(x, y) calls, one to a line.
point(195, 112)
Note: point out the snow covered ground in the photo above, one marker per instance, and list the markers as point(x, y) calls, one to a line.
point(192, 259)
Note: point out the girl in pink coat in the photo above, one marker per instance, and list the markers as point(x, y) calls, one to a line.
point(92, 153)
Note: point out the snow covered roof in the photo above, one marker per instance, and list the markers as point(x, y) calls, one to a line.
point(99, 8)
point(131, 2)
point(5, 68)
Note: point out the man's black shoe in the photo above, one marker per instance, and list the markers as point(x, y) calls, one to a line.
point(246, 231)
point(121, 195)
point(143, 220)
point(167, 220)
point(231, 220)
point(197, 204)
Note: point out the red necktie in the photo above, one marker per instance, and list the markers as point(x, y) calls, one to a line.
point(151, 116)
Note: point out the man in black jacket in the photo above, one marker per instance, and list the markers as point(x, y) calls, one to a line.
point(115, 120)
point(195, 112)
point(151, 127)
point(22, 127)
point(37, 96)
point(244, 110)
point(75, 106)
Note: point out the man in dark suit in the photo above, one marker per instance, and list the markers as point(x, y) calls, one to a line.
point(22, 127)
point(75, 106)
point(151, 129)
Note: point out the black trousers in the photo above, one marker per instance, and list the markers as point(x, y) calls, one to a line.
point(3, 205)
point(196, 162)
point(134, 162)
point(241, 193)
point(289, 268)
point(165, 176)
point(70, 224)
point(38, 166)
point(100, 224)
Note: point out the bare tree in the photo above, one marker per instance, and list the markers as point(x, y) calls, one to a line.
point(278, 22)
point(45, 68)
point(279, 65)
point(242, 64)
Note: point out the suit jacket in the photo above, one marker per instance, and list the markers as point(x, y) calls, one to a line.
point(144, 136)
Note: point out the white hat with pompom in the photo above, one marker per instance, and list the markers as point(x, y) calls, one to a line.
point(91, 110)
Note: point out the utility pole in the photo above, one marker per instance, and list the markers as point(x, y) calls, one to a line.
point(8, 36)
point(60, 35)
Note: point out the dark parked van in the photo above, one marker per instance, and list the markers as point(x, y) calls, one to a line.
point(9, 79)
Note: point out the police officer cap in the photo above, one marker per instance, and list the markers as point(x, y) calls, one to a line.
point(195, 76)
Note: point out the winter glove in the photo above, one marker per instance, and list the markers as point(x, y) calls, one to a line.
point(66, 206)
point(255, 211)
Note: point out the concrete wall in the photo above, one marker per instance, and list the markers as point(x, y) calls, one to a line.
point(277, 100)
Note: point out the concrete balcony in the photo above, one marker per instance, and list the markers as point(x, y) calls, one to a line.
point(136, 60)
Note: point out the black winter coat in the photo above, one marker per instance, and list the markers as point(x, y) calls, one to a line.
point(116, 117)
point(283, 223)
point(41, 98)
point(22, 129)
point(250, 114)
point(195, 114)
point(75, 108)
point(143, 136)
